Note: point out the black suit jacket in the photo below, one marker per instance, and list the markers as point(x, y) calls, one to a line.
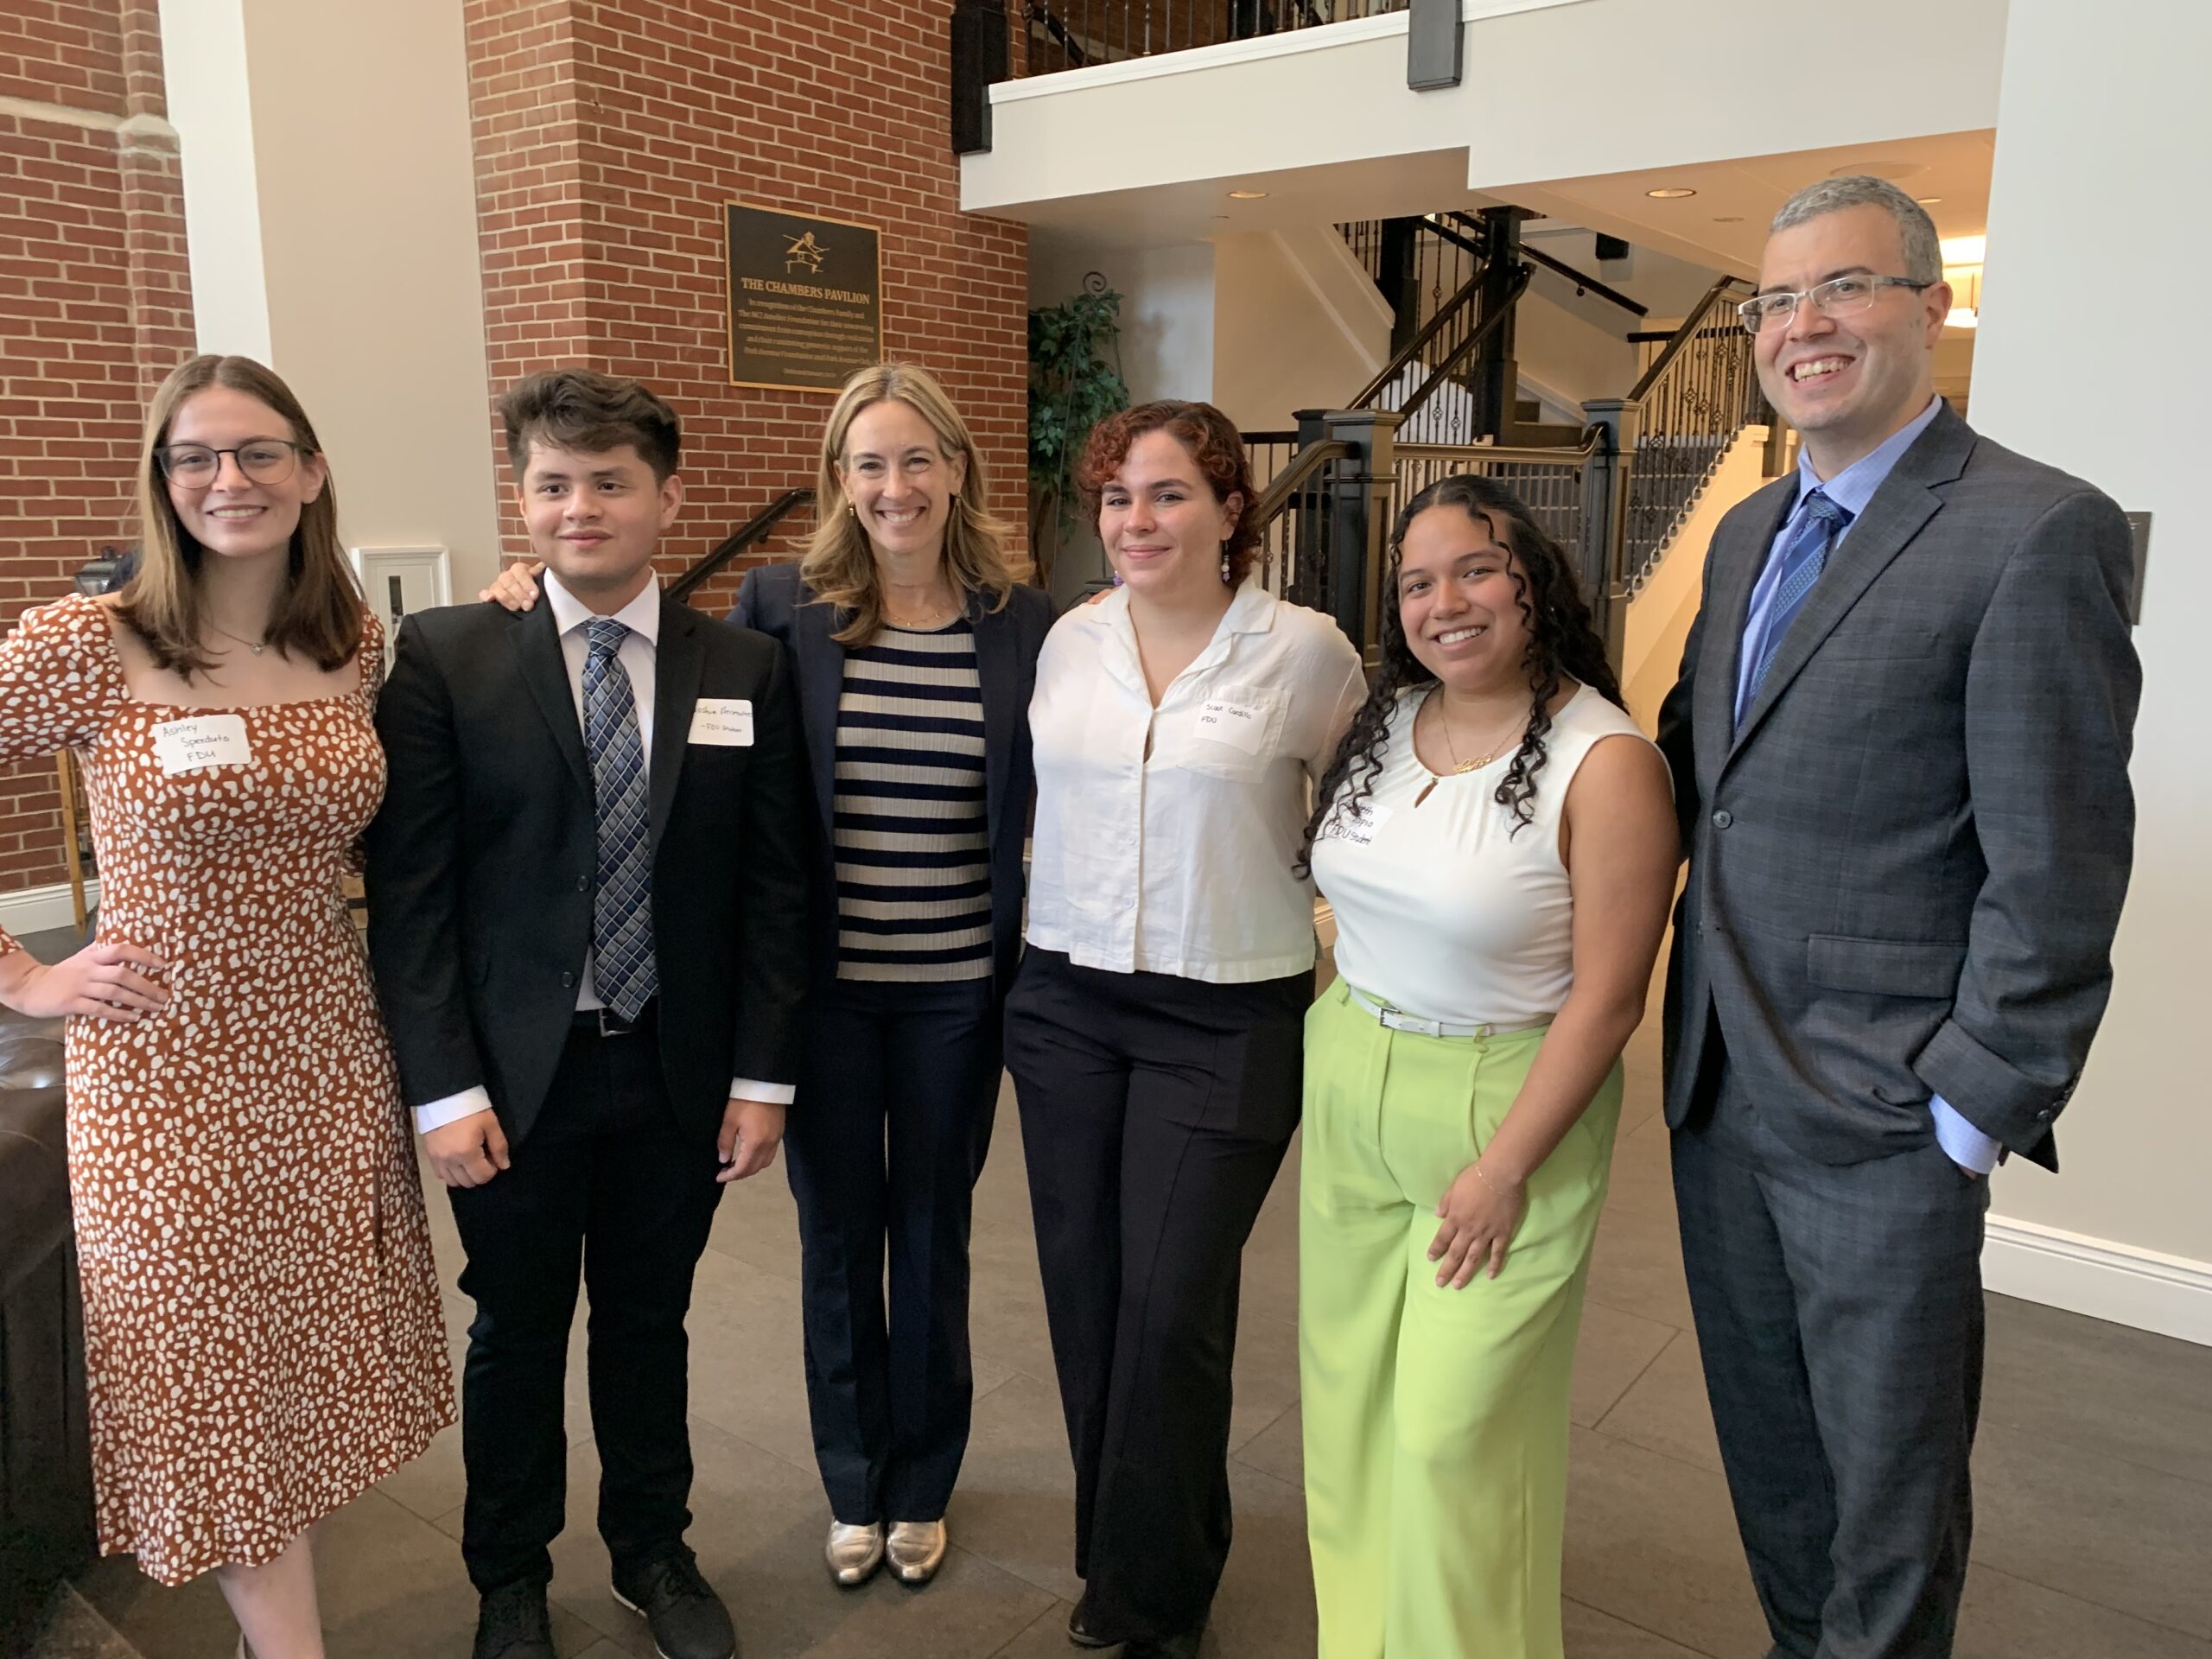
point(1907, 863)
point(775, 600)
point(481, 864)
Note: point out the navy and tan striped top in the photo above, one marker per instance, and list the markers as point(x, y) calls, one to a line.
point(913, 840)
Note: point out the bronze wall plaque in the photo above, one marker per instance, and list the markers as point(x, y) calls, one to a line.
point(805, 298)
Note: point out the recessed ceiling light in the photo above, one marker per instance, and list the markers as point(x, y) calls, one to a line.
point(1671, 193)
point(1247, 196)
point(1928, 201)
point(1889, 170)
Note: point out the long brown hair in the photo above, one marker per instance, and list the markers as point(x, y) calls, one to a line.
point(319, 615)
point(839, 565)
point(1563, 644)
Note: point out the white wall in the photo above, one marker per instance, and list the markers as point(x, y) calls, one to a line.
point(1166, 348)
point(1167, 317)
point(331, 217)
point(1553, 90)
point(2090, 114)
point(1286, 336)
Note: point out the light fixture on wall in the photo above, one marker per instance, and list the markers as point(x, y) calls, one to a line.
point(1671, 193)
point(1247, 196)
point(1962, 261)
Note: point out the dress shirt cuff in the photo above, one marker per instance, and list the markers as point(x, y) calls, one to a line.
point(436, 1114)
point(1965, 1145)
point(768, 1094)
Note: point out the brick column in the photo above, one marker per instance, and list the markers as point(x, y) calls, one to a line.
point(95, 307)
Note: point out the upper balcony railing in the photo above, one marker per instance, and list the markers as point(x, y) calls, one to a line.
point(1050, 36)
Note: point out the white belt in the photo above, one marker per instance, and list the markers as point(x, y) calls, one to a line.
point(1398, 1020)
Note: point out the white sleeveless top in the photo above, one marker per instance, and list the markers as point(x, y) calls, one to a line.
point(1441, 911)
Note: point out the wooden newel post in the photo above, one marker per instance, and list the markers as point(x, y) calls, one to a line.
point(1361, 487)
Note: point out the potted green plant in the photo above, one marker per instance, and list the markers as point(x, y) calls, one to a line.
point(1072, 387)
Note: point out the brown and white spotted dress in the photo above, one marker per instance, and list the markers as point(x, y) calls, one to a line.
point(262, 1322)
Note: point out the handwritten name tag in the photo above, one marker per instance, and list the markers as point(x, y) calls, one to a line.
point(1359, 826)
point(202, 741)
point(725, 722)
point(1226, 721)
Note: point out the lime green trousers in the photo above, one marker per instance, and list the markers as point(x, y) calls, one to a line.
point(1435, 1420)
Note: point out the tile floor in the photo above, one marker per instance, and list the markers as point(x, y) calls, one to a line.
point(2094, 1471)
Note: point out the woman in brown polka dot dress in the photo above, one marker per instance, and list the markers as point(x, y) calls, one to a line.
point(262, 1320)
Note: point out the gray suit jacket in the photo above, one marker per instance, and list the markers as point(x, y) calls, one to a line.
point(1907, 864)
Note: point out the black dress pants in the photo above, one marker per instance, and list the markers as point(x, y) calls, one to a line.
point(605, 1185)
point(1155, 1111)
point(899, 1087)
point(1838, 1312)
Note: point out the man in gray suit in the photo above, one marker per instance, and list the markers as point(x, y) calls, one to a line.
point(1900, 747)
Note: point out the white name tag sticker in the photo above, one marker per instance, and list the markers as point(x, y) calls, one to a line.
point(202, 741)
point(1240, 724)
point(1358, 827)
point(725, 722)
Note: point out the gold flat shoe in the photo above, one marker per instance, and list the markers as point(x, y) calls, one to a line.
point(854, 1552)
point(917, 1549)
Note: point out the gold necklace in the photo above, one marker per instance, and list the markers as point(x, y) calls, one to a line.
point(1512, 735)
point(248, 643)
point(936, 617)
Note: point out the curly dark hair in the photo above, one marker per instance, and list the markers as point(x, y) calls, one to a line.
point(1214, 443)
point(1563, 644)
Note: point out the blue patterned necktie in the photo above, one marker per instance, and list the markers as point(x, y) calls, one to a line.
point(622, 923)
point(1801, 563)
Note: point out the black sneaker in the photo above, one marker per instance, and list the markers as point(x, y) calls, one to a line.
point(511, 1622)
point(687, 1617)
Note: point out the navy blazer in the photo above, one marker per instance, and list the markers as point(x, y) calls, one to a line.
point(773, 600)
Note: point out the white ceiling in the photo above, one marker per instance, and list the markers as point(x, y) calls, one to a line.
point(1721, 227)
point(1724, 225)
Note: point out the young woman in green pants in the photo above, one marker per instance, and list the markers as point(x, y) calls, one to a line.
point(1498, 840)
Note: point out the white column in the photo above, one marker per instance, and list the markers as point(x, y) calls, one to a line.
point(330, 210)
point(2099, 253)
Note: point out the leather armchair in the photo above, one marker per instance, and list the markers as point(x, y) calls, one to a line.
point(46, 1503)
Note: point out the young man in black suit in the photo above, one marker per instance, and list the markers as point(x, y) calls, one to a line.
point(587, 901)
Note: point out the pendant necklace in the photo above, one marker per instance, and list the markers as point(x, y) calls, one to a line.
point(248, 643)
point(1459, 767)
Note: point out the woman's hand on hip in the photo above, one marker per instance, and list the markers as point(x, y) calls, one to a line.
point(97, 983)
point(1481, 1213)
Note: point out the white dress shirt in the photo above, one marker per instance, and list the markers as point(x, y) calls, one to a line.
point(636, 654)
point(1166, 837)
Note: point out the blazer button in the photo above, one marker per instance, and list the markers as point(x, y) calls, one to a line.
point(583, 884)
point(568, 981)
point(1723, 818)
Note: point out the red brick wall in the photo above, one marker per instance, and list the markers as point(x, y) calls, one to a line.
point(95, 307)
point(609, 136)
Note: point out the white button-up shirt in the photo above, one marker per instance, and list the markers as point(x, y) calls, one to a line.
point(638, 653)
point(1166, 837)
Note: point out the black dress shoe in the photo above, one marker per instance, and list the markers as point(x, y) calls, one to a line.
point(1183, 1645)
point(511, 1624)
point(687, 1617)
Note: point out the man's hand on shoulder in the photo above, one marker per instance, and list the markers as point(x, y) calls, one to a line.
point(467, 1152)
point(747, 1145)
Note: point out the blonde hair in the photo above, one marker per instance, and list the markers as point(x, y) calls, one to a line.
point(839, 565)
point(318, 613)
